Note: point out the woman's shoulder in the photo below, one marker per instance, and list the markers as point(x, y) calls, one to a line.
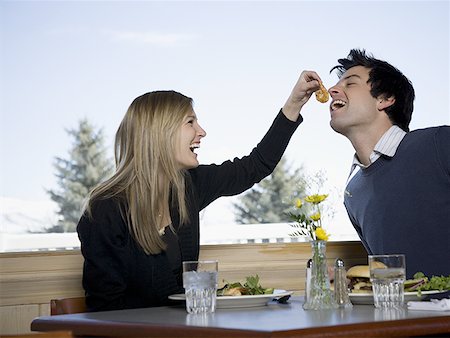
point(102, 224)
point(105, 204)
point(103, 211)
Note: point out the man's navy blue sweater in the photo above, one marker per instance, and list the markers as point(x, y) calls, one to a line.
point(402, 204)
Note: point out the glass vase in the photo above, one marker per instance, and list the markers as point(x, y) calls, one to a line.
point(320, 295)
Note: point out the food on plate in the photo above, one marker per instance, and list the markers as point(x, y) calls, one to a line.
point(415, 283)
point(423, 283)
point(359, 277)
point(250, 287)
point(322, 94)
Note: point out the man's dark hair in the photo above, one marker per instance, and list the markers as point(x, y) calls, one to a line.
point(385, 80)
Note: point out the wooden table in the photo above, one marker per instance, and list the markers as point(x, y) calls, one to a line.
point(273, 320)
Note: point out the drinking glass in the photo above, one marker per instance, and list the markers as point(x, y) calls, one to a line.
point(200, 284)
point(387, 274)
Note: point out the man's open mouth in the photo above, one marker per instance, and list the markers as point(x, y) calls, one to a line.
point(336, 104)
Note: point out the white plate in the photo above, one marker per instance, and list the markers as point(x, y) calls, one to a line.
point(228, 302)
point(367, 298)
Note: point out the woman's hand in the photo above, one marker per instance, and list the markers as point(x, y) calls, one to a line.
point(306, 85)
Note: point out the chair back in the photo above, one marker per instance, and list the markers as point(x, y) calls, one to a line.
point(65, 306)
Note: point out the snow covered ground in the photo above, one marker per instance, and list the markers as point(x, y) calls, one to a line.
point(22, 216)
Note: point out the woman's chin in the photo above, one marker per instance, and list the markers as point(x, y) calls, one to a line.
point(191, 165)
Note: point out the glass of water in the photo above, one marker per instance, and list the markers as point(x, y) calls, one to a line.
point(387, 274)
point(200, 284)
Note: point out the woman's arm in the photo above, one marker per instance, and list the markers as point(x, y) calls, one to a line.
point(233, 177)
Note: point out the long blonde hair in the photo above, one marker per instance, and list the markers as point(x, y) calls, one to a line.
point(146, 171)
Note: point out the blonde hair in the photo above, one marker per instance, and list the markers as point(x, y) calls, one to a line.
point(147, 175)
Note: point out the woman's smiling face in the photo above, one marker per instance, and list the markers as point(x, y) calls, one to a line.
point(189, 136)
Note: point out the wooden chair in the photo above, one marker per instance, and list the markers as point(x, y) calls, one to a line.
point(51, 334)
point(67, 305)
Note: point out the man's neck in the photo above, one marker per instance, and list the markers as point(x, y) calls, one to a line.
point(364, 142)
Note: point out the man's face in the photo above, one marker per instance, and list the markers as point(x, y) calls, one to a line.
point(352, 107)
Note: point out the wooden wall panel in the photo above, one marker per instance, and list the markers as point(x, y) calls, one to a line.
point(36, 277)
point(17, 319)
point(278, 265)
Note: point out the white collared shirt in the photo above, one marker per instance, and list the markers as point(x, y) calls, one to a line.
point(387, 145)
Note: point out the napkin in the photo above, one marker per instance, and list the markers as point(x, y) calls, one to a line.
point(432, 305)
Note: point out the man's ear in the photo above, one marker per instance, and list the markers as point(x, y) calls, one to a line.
point(385, 102)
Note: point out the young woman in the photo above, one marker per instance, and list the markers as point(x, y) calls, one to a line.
point(140, 225)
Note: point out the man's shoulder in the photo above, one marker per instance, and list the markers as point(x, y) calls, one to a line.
point(445, 129)
point(426, 142)
point(428, 134)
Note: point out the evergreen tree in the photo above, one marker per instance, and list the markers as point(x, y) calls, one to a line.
point(87, 166)
point(271, 199)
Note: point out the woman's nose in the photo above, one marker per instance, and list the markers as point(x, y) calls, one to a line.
point(201, 132)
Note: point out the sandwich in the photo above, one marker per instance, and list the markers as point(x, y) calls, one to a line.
point(359, 277)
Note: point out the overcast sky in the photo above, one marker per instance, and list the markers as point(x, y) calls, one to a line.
point(63, 61)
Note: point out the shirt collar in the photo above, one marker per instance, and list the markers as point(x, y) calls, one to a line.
point(389, 142)
point(387, 145)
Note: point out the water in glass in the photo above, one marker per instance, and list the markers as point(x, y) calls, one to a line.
point(200, 284)
point(387, 287)
point(200, 288)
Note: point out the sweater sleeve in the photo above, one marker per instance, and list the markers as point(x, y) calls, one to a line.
point(103, 241)
point(233, 177)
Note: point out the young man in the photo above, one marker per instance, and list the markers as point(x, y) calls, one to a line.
point(399, 199)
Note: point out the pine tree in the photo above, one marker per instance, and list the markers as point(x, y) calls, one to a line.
point(272, 198)
point(87, 166)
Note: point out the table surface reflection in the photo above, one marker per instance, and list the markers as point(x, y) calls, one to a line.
point(273, 320)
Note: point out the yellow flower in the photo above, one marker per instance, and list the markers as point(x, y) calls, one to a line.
point(315, 217)
point(316, 198)
point(321, 234)
point(309, 224)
